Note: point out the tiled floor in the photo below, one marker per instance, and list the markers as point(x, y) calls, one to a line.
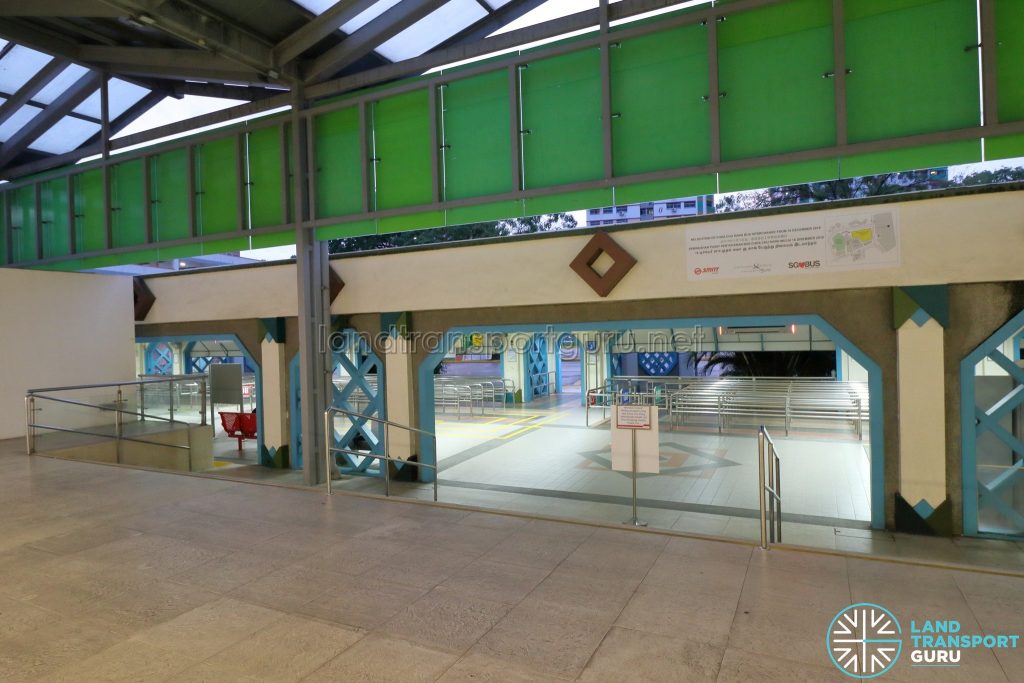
point(113, 574)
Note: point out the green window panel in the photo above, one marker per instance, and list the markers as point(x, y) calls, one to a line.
point(273, 239)
point(770, 65)
point(339, 185)
point(561, 103)
point(127, 213)
point(483, 213)
point(1010, 58)
point(168, 173)
point(911, 158)
point(568, 201)
point(266, 199)
point(666, 189)
point(779, 175)
point(658, 83)
point(354, 229)
point(475, 122)
point(53, 196)
point(401, 144)
point(413, 221)
point(90, 225)
point(1004, 147)
point(217, 186)
point(5, 229)
point(910, 73)
point(24, 240)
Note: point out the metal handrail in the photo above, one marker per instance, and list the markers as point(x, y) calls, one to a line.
point(330, 449)
point(32, 395)
point(770, 492)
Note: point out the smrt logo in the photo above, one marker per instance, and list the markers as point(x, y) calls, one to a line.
point(805, 264)
point(706, 270)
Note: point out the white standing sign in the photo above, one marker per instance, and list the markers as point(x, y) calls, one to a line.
point(636, 425)
point(814, 242)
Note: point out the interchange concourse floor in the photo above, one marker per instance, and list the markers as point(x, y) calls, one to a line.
point(541, 458)
point(112, 573)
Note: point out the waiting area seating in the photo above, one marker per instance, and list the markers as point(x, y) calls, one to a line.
point(469, 393)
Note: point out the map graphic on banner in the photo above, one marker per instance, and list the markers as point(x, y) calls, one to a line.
point(795, 244)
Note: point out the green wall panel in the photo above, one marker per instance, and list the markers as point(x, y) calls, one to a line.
point(771, 63)
point(90, 225)
point(24, 241)
point(4, 227)
point(658, 83)
point(912, 158)
point(413, 221)
point(475, 120)
point(1004, 147)
point(779, 175)
point(666, 189)
point(1010, 58)
point(127, 213)
point(273, 239)
point(354, 229)
point(339, 185)
point(217, 187)
point(53, 197)
point(169, 194)
point(266, 201)
point(483, 213)
point(222, 246)
point(910, 72)
point(568, 201)
point(401, 133)
point(561, 102)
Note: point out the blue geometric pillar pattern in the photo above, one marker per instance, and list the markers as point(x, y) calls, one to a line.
point(920, 316)
point(659, 363)
point(358, 386)
point(992, 427)
point(159, 359)
point(536, 362)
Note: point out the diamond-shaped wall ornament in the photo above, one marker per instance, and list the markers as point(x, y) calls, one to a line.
point(143, 298)
point(583, 264)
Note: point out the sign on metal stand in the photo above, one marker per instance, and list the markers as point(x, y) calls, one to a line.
point(635, 446)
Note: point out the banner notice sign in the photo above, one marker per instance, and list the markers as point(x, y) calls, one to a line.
point(795, 244)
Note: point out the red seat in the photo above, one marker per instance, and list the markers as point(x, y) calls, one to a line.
point(239, 425)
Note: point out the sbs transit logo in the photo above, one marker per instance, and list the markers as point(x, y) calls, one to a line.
point(864, 640)
point(706, 270)
point(804, 265)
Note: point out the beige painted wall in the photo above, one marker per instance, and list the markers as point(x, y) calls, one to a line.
point(922, 412)
point(61, 329)
point(937, 248)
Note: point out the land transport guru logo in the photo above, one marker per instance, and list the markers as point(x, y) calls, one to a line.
point(865, 640)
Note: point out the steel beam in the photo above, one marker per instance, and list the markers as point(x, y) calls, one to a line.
point(57, 8)
point(369, 37)
point(170, 62)
point(26, 92)
point(714, 93)
point(495, 20)
point(124, 120)
point(989, 50)
point(228, 92)
point(324, 25)
point(68, 100)
point(606, 91)
point(839, 70)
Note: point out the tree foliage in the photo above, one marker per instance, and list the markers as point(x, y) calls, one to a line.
point(764, 363)
point(458, 233)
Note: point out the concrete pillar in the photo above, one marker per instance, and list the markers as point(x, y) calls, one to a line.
point(178, 361)
point(399, 385)
point(922, 414)
point(276, 434)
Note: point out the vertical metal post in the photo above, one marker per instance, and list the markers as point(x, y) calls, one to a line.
point(190, 179)
point(714, 91)
point(760, 487)
point(170, 399)
point(328, 428)
point(285, 189)
point(118, 422)
point(242, 186)
point(606, 90)
point(515, 121)
point(435, 145)
point(436, 472)
point(778, 493)
point(142, 402)
point(38, 188)
point(105, 115)
point(30, 422)
point(147, 198)
point(989, 77)
point(364, 156)
point(202, 400)
point(839, 70)
point(386, 462)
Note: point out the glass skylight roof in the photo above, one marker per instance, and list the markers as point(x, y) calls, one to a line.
point(122, 96)
point(19, 119)
point(432, 29)
point(366, 16)
point(18, 66)
point(65, 135)
point(64, 80)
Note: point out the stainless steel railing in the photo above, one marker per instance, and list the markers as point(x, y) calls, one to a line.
point(118, 407)
point(770, 490)
point(330, 449)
